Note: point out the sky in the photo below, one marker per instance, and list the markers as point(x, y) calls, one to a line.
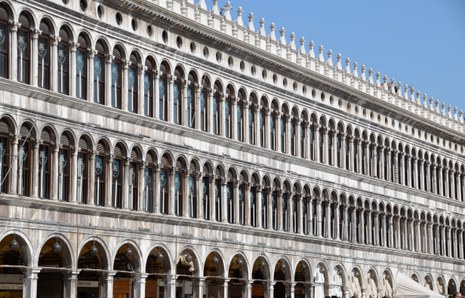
point(418, 42)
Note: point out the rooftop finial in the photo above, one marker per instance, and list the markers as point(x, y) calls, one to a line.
point(292, 42)
point(262, 27)
point(370, 75)
point(272, 31)
point(339, 61)
point(226, 11)
point(321, 57)
point(311, 50)
point(239, 20)
point(251, 25)
point(282, 38)
point(215, 8)
point(355, 72)
point(302, 49)
point(347, 69)
point(363, 75)
point(202, 4)
point(330, 57)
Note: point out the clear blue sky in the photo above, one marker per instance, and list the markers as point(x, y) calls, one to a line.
point(418, 42)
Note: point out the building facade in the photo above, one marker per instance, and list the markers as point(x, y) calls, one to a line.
point(161, 148)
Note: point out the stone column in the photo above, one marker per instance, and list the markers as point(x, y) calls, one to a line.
point(440, 180)
point(345, 227)
point(156, 190)
point(143, 200)
point(452, 184)
point(30, 283)
point(109, 182)
point(169, 98)
point(233, 118)
point(342, 152)
point(269, 207)
point(171, 192)
point(354, 225)
point(140, 88)
point(277, 121)
point(222, 116)
point(375, 238)
point(351, 154)
point(318, 217)
point(279, 210)
point(267, 129)
point(156, 96)
point(73, 168)
point(139, 285)
point(13, 69)
point(359, 156)
point(245, 115)
point(90, 75)
point(109, 277)
point(13, 187)
point(225, 288)
point(201, 287)
point(381, 162)
point(326, 148)
point(327, 222)
point(362, 226)
point(34, 63)
point(299, 223)
point(247, 220)
point(431, 243)
point(297, 138)
point(337, 233)
point(459, 187)
point(388, 163)
point(90, 168)
point(224, 201)
point(71, 284)
point(108, 78)
point(391, 232)
point(287, 145)
point(270, 290)
point(54, 63)
point(125, 187)
point(258, 209)
point(55, 164)
point(35, 170)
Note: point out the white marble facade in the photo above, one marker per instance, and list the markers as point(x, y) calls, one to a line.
point(163, 148)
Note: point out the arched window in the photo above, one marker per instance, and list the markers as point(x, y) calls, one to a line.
point(294, 214)
point(293, 134)
point(204, 104)
point(273, 132)
point(177, 96)
point(99, 73)
point(253, 198)
point(206, 181)
point(239, 119)
point(4, 42)
point(164, 184)
point(24, 49)
point(312, 137)
point(218, 196)
point(133, 187)
point(4, 155)
point(63, 61)
point(305, 213)
point(133, 83)
point(262, 123)
point(64, 166)
point(265, 200)
point(45, 163)
point(303, 138)
point(100, 174)
point(117, 172)
point(149, 79)
point(192, 191)
point(284, 208)
point(228, 110)
point(216, 109)
point(83, 159)
point(191, 87)
point(251, 122)
point(117, 77)
point(179, 187)
point(81, 67)
point(274, 206)
point(44, 52)
point(230, 197)
point(284, 132)
point(242, 206)
point(163, 92)
point(149, 183)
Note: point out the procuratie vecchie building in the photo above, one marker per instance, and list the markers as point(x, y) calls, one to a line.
point(163, 148)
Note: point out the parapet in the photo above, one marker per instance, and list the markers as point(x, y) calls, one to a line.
point(360, 78)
